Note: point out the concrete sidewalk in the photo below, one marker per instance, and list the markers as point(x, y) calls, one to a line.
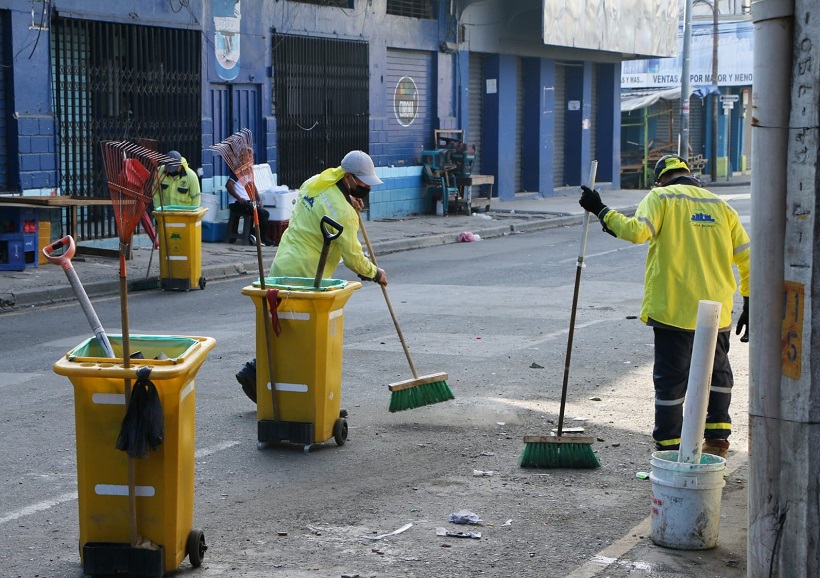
point(527, 212)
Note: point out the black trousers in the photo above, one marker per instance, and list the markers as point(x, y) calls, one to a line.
point(673, 354)
point(247, 209)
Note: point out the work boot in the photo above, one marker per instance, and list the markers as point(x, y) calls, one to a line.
point(716, 447)
point(247, 379)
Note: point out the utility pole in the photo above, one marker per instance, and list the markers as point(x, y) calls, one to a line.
point(713, 156)
point(686, 83)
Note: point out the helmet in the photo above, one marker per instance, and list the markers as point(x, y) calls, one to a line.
point(669, 163)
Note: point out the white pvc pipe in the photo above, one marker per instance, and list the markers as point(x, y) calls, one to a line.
point(700, 380)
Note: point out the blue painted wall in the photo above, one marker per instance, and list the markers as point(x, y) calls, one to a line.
point(34, 138)
point(498, 123)
point(577, 138)
point(608, 136)
point(539, 129)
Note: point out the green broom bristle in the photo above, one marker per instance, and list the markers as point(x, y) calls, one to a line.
point(420, 395)
point(559, 455)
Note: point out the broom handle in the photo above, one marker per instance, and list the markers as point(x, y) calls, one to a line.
point(265, 313)
point(593, 169)
point(126, 363)
point(387, 300)
point(164, 231)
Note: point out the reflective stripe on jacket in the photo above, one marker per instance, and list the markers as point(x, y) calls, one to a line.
point(694, 239)
point(301, 244)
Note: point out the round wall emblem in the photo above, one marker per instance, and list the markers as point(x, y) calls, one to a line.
point(406, 101)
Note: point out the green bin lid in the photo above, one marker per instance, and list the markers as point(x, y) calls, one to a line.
point(301, 284)
point(171, 346)
point(177, 208)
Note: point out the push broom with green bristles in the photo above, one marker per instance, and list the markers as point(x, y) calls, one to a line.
point(565, 451)
point(421, 390)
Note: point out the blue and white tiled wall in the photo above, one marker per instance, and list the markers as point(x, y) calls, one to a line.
point(403, 193)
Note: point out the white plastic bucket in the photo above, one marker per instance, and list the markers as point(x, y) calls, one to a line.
point(686, 501)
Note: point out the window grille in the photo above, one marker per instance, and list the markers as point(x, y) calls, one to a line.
point(411, 8)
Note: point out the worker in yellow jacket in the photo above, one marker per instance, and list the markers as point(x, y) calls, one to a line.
point(176, 184)
point(695, 239)
point(338, 193)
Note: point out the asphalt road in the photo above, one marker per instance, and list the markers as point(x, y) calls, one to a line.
point(492, 314)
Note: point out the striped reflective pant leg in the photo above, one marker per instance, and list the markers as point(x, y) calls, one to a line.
point(718, 421)
point(673, 352)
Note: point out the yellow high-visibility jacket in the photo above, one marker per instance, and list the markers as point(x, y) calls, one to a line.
point(179, 190)
point(694, 239)
point(301, 244)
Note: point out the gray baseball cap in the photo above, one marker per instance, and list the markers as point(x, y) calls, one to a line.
point(360, 165)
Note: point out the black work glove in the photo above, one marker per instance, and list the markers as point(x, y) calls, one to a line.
point(591, 201)
point(743, 321)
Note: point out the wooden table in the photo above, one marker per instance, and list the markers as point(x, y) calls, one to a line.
point(484, 184)
point(60, 202)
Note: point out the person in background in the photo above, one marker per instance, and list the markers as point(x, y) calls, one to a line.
point(695, 239)
point(177, 184)
point(338, 193)
point(241, 204)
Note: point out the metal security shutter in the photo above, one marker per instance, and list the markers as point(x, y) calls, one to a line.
point(519, 122)
point(667, 122)
point(409, 71)
point(560, 124)
point(320, 98)
point(476, 100)
point(593, 116)
point(5, 62)
point(120, 82)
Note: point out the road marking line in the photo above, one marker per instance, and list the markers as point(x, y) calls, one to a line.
point(204, 452)
point(48, 504)
point(604, 254)
point(39, 507)
point(550, 336)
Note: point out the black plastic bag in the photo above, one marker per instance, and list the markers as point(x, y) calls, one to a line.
point(143, 427)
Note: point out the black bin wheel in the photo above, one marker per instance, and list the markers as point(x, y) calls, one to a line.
point(340, 431)
point(202, 282)
point(196, 548)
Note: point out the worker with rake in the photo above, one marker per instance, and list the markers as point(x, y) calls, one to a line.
point(695, 238)
point(338, 193)
point(177, 184)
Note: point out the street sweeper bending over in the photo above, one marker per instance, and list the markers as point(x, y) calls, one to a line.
point(338, 193)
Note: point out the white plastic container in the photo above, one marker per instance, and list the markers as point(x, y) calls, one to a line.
point(282, 205)
point(686, 501)
point(263, 178)
point(212, 203)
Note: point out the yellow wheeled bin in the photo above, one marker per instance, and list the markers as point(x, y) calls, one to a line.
point(179, 229)
point(307, 360)
point(163, 480)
